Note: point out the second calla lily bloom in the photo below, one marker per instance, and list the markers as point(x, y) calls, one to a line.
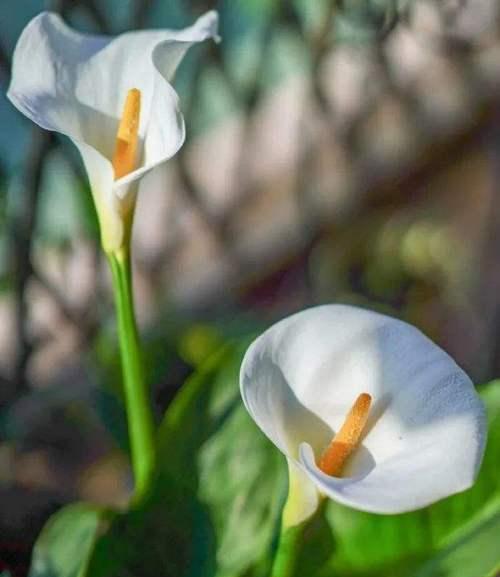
point(90, 88)
point(415, 427)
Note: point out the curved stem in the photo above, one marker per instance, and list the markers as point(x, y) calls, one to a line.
point(137, 398)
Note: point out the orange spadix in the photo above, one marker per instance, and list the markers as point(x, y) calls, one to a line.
point(125, 156)
point(346, 440)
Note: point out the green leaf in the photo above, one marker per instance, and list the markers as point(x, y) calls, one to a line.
point(243, 481)
point(474, 555)
point(215, 507)
point(168, 534)
point(67, 541)
point(209, 440)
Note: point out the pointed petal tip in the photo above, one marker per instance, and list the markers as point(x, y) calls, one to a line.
point(208, 25)
point(44, 14)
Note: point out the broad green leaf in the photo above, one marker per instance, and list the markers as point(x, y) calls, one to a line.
point(169, 535)
point(208, 438)
point(473, 555)
point(171, 532)
point(242, 480)
point(67, 541)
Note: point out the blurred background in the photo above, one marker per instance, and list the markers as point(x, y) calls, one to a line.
point(337, 152)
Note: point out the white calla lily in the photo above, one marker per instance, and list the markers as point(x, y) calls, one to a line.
point(76, 84)
point(425, 434)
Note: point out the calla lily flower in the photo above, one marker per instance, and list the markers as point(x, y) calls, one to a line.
point(79, 85)
point(422, 438)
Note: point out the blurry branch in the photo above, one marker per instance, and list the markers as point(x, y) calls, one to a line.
point(62, 6)
point(3, 178)
point(83, 320)
point(9, 388)
point(140, 12)
point(392, 193)
point(192, 190)
point(249, 102)
point(204, 5)
point(24, 221)
point(488, 288)
point(5, 385)
point(320, 46)
point(22, 244)
point(94, 8)
point(4, 65)
point(249, 99)
point(220, 226)
point(56, 295)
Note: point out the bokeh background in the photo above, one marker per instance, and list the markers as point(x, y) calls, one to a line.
point(336, 152)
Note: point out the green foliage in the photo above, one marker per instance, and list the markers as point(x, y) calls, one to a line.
point(215, 506)
point(477, 553)
point(210, 441)
point(167, 534)
point(66, 543)
point(240, 477)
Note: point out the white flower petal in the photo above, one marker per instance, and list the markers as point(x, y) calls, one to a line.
point(161, 141)
point(100, 173)
point(426, 431)
point(303, 497)
point(76, 84)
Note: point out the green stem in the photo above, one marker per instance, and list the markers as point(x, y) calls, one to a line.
point(137, 398)
point(288, 550)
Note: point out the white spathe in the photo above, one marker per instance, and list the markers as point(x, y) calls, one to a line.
point(76, 84)
point(426, 429)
